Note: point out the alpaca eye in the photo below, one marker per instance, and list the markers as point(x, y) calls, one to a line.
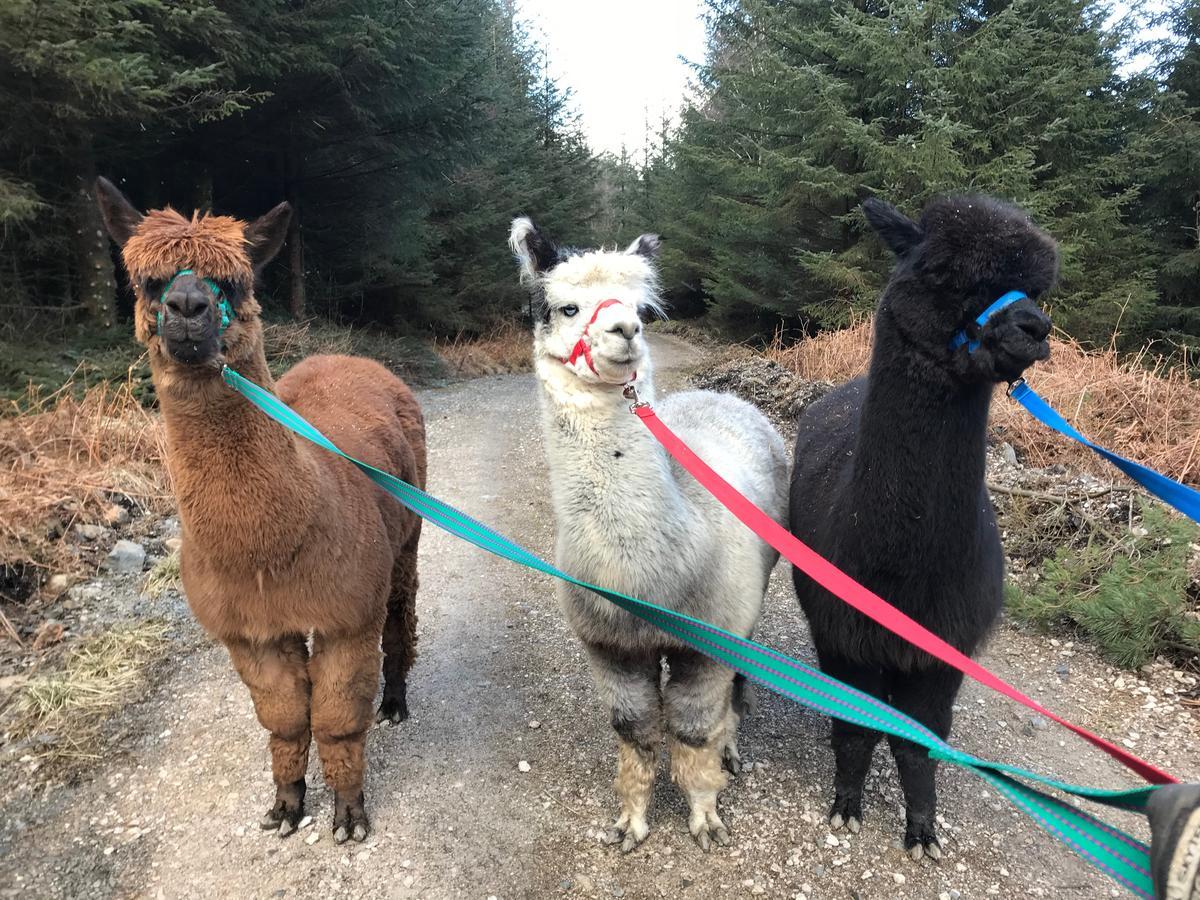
point(569, 311)
point(153, 287)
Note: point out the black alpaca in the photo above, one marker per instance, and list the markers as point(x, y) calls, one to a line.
point(889, 476)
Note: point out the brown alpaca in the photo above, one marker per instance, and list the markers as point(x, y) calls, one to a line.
point(281, 540)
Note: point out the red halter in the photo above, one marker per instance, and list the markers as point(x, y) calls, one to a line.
point(582, 348)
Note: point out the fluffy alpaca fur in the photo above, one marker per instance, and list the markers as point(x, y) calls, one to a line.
point(889, 477)
point(630, 519)
point(281, 540)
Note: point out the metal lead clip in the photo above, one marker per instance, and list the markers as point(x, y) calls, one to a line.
point(630, 393)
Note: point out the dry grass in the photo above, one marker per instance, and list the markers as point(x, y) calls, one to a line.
point(1141, 406)
point(504, 350)
point(63, 459)
point(165, 576)
point(64, 711)
point(286, 343)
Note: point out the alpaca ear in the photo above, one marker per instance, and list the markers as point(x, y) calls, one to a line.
point(534, 251)
point(898, 231)
point(646, 245)
point(266, 235)
point(120, 217)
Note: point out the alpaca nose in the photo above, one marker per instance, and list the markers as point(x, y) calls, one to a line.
point(629, 330)
point(188, 301)
point(1032, 321)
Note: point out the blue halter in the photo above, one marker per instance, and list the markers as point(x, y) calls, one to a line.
point(1003, 303)
point(223, 306)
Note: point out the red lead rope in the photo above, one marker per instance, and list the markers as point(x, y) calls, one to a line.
point(866, 602)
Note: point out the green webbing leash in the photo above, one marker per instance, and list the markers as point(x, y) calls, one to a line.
point(1119, 855)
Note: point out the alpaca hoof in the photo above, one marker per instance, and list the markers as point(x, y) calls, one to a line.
point(392, 711)
point(285, 815)
point(846, 812)
point(920, 840)
point(349, 818)
point(708, 829)
point(852, 823)
point(628, 832)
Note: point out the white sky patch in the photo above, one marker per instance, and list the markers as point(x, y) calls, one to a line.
point(621, 60)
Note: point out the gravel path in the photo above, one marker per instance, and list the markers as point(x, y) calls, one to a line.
point(499, 784)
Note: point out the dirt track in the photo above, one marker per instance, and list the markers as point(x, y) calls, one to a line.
point(500, 681)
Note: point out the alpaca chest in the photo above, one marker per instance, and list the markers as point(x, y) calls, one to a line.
point(321, 587)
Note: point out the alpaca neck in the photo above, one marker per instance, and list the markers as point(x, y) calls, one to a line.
point(602, 459)
point(243, 483)
point(921, 450)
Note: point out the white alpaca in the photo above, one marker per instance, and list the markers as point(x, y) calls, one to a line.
point(629, 518)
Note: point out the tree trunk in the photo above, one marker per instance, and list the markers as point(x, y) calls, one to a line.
point(297, 297)
point(94, 277)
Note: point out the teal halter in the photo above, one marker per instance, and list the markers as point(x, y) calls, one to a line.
point(222, 303)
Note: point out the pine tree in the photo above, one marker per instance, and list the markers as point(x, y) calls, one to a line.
point(75, 80)
point(808, 107)
point(1172, 200)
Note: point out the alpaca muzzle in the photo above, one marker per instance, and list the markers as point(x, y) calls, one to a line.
point(583, 346)
point(192, 316)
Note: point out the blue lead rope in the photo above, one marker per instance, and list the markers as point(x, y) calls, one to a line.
point(1178, 495)
point(1174, 493)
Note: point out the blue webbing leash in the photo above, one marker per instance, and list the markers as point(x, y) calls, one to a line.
point(1180, 496)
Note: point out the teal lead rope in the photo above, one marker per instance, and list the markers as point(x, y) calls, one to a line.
point(1114, 852)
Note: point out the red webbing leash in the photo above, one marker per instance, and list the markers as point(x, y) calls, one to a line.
point(866, 602)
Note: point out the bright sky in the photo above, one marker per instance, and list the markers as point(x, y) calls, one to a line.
point(626, 60)
point(621, 59)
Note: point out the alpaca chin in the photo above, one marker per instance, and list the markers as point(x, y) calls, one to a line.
point(564, 388)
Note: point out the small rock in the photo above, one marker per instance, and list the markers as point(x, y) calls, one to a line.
point(313, 838)
point(90, 532)
point(831, 840)
point(126, 557)
point(898, 878)
point(116, 515)
point(535, 724)
point(523, 766)
point(58, 584)
point(305, 822)
point(1009, 454)
point(409, 881)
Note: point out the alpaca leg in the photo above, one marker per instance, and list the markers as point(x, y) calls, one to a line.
point(853, 746)
point(400, 634)
point(927, 696)
point(345, 677)
point(277, 675)
point(743, 704)
point(702, 724)
point(629, 684)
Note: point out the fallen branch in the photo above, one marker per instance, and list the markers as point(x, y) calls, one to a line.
point(1056, 498)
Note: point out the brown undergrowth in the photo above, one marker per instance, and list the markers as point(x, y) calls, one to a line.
point(503, 350)
point(1141, 406)
point(64, 460)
